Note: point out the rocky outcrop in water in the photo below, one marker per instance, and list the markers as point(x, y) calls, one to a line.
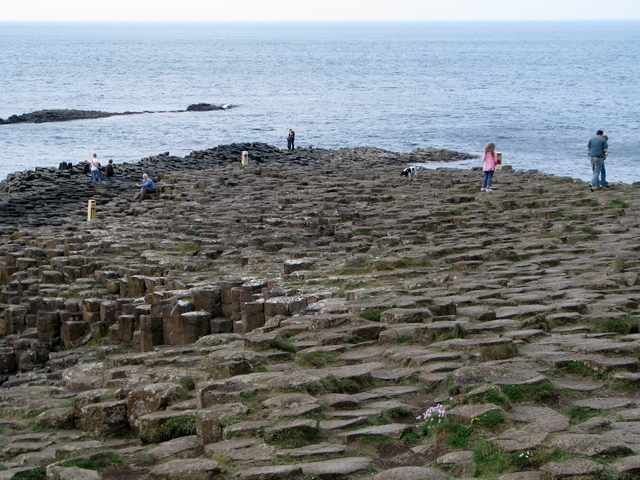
point(292, 317)
point(64, 115)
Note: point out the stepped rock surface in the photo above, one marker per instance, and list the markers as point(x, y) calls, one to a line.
point(313, 314)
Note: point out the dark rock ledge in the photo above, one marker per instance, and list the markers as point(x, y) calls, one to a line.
point(65, 115)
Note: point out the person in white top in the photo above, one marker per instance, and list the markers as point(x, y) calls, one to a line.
point(94, 164)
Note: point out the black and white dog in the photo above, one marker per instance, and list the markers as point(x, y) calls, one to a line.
point(411, 172)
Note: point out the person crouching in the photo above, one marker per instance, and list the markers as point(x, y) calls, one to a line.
point(146, 187)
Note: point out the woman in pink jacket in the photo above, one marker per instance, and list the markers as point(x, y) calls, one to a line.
point(490, 160)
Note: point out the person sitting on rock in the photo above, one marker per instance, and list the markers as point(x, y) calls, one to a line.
point(146, 186)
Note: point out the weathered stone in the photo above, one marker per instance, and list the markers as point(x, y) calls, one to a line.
point(196, 469)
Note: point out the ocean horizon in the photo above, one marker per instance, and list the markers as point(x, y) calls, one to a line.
point(539, 90)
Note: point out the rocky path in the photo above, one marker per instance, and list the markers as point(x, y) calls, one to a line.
point(293, 317)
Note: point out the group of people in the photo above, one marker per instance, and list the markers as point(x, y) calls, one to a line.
point(597, 149)
point(96, 170)
point(146, 186)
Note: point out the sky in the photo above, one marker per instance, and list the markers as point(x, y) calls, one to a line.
point(316, 10)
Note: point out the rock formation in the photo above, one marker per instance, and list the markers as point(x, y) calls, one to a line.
point(292, 317)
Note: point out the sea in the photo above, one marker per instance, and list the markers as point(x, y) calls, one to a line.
point(538, 90)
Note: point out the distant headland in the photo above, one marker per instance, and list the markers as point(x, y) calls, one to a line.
point(65, 115)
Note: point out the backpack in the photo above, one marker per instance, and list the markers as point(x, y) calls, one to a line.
point(109, 170)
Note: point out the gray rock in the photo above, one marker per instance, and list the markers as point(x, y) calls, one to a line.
point(410, 473)
point(194, 468)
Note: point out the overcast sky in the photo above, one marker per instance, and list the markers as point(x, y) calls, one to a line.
point(315, 10)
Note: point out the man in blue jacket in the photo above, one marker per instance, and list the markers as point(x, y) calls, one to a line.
point(146, 186)
point(597, 148)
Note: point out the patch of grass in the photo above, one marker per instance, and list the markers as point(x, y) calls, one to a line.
point(493, 395)
point(501, 351)
point(556, 214)
point(38, 473)
point(399, 412)
point(622, 326)
point(372, 314)
point(450, 433)
point(295, 438)
point(361, 233)
point(581, 369)
point(616, 203)
point(187, 383)
point(411, 437)
point(530, 393)
point(489, 419)
point(85, 463)
point(32, 414)
point(579, 414)
point(280, 343)
point(317, 359)
point(404, 339)
point(172, 428)
point(374, 440)
point(404, 262)
point(450, 385)
point(258, 365)
point(187, 248)
point(340, 385)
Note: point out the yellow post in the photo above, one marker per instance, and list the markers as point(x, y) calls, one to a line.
point(91, 210)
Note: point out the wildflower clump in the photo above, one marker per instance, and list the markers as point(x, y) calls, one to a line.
point(432, 417)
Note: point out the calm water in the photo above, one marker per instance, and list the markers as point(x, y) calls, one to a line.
point(538, 90)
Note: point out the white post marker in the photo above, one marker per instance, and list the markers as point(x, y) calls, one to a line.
point(245, 157)
point(91, 210)
point(498, 160)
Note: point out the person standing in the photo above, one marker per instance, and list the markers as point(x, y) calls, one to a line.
point(94, 164)
point(490, 160)
point(290, 139)
point(109, 173)
point(597, 149)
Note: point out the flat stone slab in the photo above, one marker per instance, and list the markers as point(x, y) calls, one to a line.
point(570, 468)
point(363, 412)
point(410, 473)
point(627, 465)
point(306, 425)
point(56, 472)
point(260, 452)
point(309, 450)
point(197, 468)
point(604, 403)
point(393, 374)
point(242, 428)
point(462, 457)
point(272, 472)
point(229, 445)
point(391, 430)
point(339, 424)
point(393, 404)
point(577, 384)
point(521, 476)
point(590, 445)
point(338, 400)
point(338, 468)
point(465, 413)
point(183, 446)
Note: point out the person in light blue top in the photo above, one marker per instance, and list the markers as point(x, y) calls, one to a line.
point(146, 186)
point(597, 149)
